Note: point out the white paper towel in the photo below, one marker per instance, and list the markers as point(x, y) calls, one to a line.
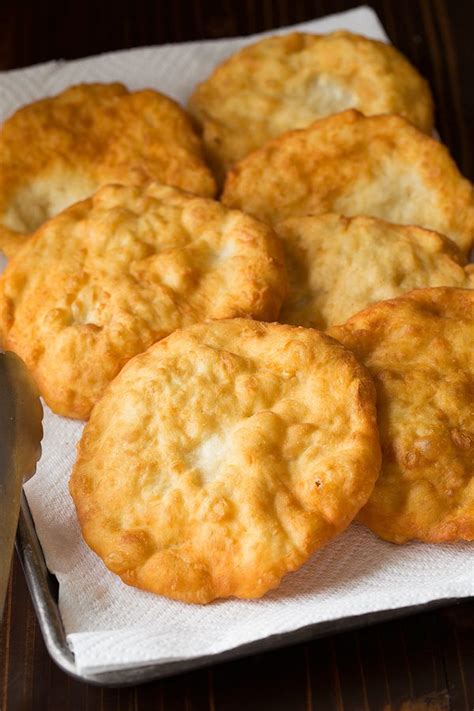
point(110, 625)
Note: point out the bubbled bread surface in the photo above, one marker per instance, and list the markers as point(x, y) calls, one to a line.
point(288, 81)
point(349, 164)
point(223, 456)
point(419, 350)
point(59, 150)
point(337, 265)
point(109, 276)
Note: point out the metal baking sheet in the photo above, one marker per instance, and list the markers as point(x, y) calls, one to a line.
point(43, 588)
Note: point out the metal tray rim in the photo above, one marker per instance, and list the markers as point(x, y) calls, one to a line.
point(49, 618)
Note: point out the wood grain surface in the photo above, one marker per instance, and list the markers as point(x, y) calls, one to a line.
point(415, 664)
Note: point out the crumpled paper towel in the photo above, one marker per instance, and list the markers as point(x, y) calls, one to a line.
point(110, 625)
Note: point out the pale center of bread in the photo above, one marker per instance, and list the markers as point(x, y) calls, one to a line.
point(309, 98)
point(210, 455)
point(323, 96)
point(400, 196)
point(227, 251)
point(45, 197)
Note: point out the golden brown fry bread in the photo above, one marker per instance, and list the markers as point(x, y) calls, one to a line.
point(419, 350)
point(352, 165)
point(59, 150)
point(286, 82)
point(109, 276)
point(222, 457)
point(337, 265)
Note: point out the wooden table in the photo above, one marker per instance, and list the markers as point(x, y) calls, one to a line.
point(421, 662)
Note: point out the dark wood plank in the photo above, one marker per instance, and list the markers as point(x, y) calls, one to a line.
point(281, 684)
point(422, 662)
point(426, 659)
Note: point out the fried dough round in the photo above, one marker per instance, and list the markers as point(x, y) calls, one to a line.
point(60, 150)
point(223, 456)
point(419, 350)
point(353, 165)
point(288, 81)
point(337, 265)
point(111, 275)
